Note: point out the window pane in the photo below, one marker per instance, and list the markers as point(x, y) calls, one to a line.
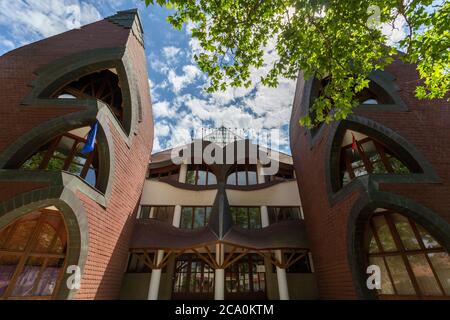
point(186, 218)
point(21, 236)
point(27, 278)
point(441, 264)
point(190, 177)
point(373, 246)
point(145, 212)
point(400, 276)
point(386, 285)
point(255, 218)
point(428, 241)
point(8, 265)
point(211, 178)
point(242, 180)
point(252, 179)
point(384, 234)
point(405, 232)
point(424, 275)
point(231, 179)
point(201, 180)
point(241, 217)
point(199, 218)
point(208, 213)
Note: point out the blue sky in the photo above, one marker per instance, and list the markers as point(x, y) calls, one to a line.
point(179, 103)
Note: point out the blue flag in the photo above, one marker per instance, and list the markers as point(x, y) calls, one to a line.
point(90, 140)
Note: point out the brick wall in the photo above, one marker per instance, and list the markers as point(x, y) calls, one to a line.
point(425, 126)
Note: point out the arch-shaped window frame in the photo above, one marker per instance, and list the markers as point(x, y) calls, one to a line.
point(55, 75)
point(357, 223)
point(32, 252)
point(102, 149)
point(404, 150)
point(393, 240)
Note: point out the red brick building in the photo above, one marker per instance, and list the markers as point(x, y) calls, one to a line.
point(375, 190)
point(78, 104)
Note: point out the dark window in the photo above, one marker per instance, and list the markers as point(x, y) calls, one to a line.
point(200, 175)
point(192, 275)
point(194, 217)
point(361, 155)
point(246, 275)
point(247, 217)
point(162, 213)
point(277, 214)
point(136, 263)
point(169, 173)
point(64, 153)
point(411, 260)
point(285, 173)
point(374, 95)
point(243, 175)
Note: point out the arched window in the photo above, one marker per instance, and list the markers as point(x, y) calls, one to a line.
point(200, 175)
point(32, 254)
point(243, 175)
point(411, 261)
point(64, 153)
point(102, 85)
point(361, 155)
point(374, 94)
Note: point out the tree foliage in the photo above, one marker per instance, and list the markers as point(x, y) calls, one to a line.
point(338, 39)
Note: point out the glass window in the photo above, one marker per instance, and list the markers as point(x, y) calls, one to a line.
point(246, 275)
point(412, 262)
point(195, 217)
point(34, 248)
point(277, 214)
point(361, 155)
point(192, 276)
point(246, 217)
point(64, 153)
point(200, 175)
point(145, 212)
point(243, 175)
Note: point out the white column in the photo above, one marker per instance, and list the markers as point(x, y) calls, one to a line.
point(155, 279)
point(259, 169)
point(219, 274)
point(264, 216)
point(177, 216)
point(152, 212)
point(282, 279)
point(183, 172)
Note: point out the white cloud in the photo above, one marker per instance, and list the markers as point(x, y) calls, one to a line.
point(190, 74)
point(34, 19)
point(163, 109)
point(171, 52)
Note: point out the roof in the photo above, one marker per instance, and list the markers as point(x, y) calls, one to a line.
point(155, 234)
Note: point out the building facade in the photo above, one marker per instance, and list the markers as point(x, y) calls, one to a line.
point(86, 212)
point(220, 231)
point(374, 189)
